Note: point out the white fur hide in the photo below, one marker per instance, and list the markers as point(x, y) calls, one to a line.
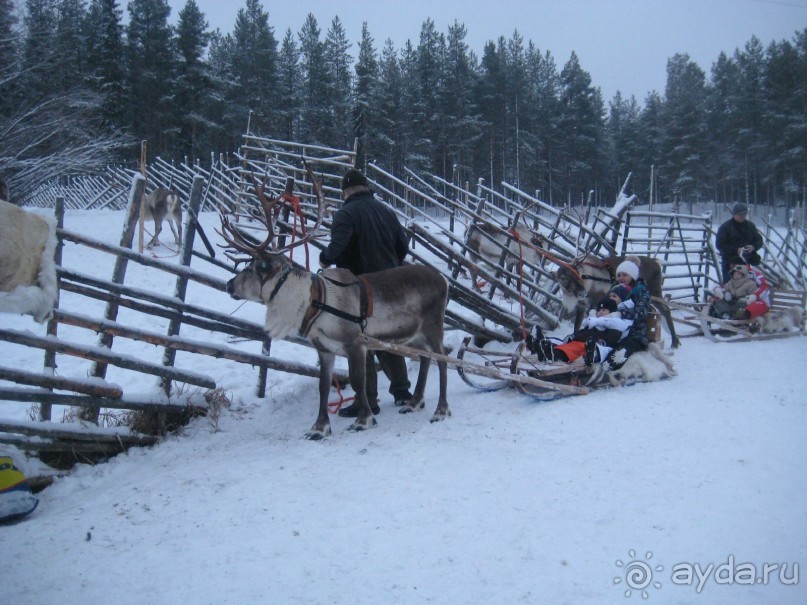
point(645, 366)
point(27, 270)
point(781, 320)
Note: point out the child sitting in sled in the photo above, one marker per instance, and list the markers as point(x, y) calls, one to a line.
point(744, 296)
point(598, 335)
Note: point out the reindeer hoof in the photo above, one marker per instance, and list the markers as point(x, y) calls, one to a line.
point(361, 426)
point(316, 434)
point(412, 406)
point(440, 415)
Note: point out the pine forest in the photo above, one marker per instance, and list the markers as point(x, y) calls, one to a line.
point(81, 90)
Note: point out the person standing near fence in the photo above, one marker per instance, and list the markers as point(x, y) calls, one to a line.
point(738, 241)
point(366, 236)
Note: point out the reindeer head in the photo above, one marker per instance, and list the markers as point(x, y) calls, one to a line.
point(569, 282)
point(265, 261)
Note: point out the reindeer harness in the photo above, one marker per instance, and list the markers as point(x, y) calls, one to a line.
point(319, 301)
point(600, 265)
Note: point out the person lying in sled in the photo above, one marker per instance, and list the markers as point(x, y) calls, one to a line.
point(598, 335)
point(744, 296)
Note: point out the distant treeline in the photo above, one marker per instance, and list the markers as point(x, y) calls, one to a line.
point(81, 90)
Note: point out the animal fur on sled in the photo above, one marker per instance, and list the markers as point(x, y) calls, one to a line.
point(27, 269)
point(645, 366)
point(781, 320)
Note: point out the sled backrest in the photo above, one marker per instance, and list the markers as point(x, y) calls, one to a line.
point(654, 330)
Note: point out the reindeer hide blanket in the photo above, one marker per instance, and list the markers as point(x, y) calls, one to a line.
point(27, 270)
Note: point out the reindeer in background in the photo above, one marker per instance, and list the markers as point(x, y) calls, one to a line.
point(334, 309)
point(163, 204)
point(490, 242)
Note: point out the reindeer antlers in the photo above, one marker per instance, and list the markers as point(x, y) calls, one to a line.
point(237, 242)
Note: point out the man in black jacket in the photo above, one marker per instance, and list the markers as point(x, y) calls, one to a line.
point(366, 236)
point(737, 241)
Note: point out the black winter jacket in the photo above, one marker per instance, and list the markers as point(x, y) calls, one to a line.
point(637, 308)
point(732, 235)
point(365, 236)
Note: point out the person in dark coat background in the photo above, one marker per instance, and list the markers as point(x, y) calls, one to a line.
point(366, 236)
point(737, 241)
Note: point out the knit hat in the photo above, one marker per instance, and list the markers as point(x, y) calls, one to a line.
point(621, 291)
point(739, 208)
point(607, 303)
point(628, 267)
point(739, 269)
point(354, 178)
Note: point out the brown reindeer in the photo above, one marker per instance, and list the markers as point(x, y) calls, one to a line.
point(164, 204)
point(587, 279)
point(489, 242)
point(334, 309)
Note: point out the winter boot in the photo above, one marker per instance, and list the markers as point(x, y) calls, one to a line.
point(545, 350)
point(742, 314)
point(591, 351)
point(539, 333)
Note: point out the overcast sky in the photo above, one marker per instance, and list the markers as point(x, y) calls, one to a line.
point(623, 44)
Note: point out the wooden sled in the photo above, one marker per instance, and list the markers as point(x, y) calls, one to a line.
point(491, 371)
point(526, 373)
point(742, 330)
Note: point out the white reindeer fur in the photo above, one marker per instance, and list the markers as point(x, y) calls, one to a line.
point(645, 366)
point(284, 315)
point(781, 320)
point(35, 299)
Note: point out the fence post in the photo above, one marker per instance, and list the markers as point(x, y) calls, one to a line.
point(186, 253)
point(118, 276)
point(45, 409)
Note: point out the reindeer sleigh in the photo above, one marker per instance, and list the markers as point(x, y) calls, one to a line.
point(583, 281)
point(785, 318)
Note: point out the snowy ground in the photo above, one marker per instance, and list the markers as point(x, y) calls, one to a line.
point(699, 480)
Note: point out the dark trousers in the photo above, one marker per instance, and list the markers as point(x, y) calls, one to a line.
point(394, 367)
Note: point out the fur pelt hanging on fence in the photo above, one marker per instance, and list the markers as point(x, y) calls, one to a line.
point(27, 270)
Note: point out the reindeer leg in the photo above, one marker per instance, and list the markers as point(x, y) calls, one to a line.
point(357, 368)
point(177, 231)
point(675, 343)
point(156, 239)
point(443, 411)
point(322, 427)
point(417, 403)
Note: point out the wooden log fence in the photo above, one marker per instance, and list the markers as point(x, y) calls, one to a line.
point(101, 355)
point(95, 388)
point(684, 242)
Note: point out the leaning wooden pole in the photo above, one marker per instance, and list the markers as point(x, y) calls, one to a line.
point(181, 288)
point(45, 409)
point(118, 275)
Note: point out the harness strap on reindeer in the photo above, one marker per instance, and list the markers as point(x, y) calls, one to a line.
point(611, 279)
point(319, 304)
